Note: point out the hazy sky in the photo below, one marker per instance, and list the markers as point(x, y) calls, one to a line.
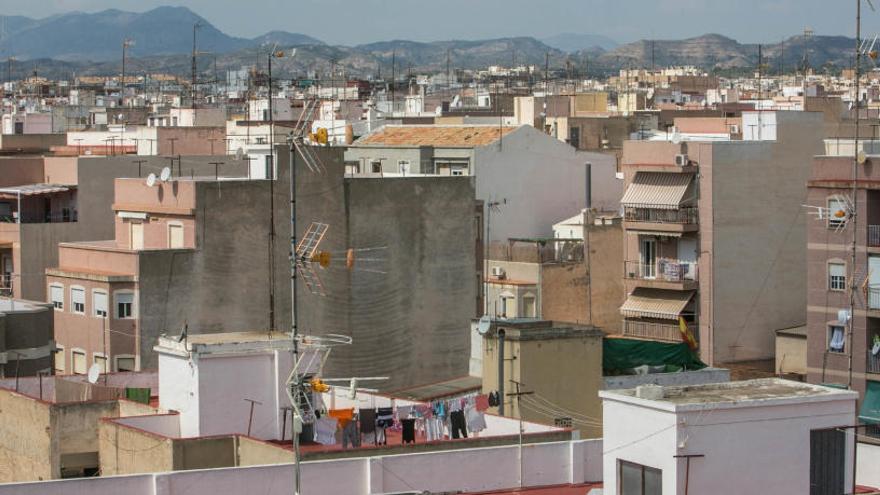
point(360, 21)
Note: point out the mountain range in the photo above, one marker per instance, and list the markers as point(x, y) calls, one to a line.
point(91, 44)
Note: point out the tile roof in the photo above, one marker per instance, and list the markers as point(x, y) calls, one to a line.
point(453, 136)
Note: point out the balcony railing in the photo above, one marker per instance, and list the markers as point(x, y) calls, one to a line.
point(873, 365)
point(664, 270)
point(688, 215)
point(874, 235)
point(873, 294)
point(6, 285)
point(653, 331)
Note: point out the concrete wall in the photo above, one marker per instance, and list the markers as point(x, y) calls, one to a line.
point(556, 179)
point(19, 171)
point(30, 326)
point(605, 259)
point(703, 376)
point(867, 460)
point(757, 192)
point(127, 450)
point(496, 468)
point(26, 448)
point(565, 292)
point(253, 452)
point(791, 354)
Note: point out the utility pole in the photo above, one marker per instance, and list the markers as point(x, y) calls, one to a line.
point(125, 44)
point(192, 87)
point(546, 74)
point(518, 395)
point(393, 76)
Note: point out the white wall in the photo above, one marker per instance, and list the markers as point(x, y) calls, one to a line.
point(756, 449)
point(491, 468)
point(542, 181)
point(178, 391)
point(868, 465)
point(167, 425)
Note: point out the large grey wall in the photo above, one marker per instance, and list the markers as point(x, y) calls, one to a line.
point(411, 322)
point(24, 329)
point(759, 236)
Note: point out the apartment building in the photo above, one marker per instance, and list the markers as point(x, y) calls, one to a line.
point(712, 234)
point(834, 356)
point(48, 200)
point(168, 269)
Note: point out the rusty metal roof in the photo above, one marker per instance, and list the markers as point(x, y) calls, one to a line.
point(451, 136)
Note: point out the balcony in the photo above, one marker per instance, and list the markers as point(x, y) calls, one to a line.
point(684, 219)
point(651, 330)
point(665, 273)
point(873, 298)
point(873, 363)
point(874, 235)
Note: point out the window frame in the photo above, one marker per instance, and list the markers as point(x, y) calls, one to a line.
point(132, 312)
point(73, 353)
point(95, 310)
point(59, 349)
point(168, 228)
point(643, 469)
point(830, 336)
point(73, 303)
point(57, 305)
point(836, 283)
point(118, 357)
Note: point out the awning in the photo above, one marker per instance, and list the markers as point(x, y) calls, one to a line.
point(870, 411)
point(33, 190)
point(653, 232)
point(657, 190)
point(656, 303)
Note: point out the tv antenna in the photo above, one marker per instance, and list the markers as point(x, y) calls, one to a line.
point(837, 216)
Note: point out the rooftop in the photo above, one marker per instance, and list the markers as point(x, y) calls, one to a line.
point(742, 393)
point(16, 305)
point(230, 342)
point(453, 136)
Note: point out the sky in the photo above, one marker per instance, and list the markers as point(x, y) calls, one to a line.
point(361, 21)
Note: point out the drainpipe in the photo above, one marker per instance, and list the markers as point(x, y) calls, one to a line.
point(501, 372)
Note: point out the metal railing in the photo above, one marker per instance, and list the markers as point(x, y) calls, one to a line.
point(6, 287)
point(873, 364)
point(664, 269)
point(873, 297)
point(653, 331)
point(70, 216)
point(688, 215)
point(874, 235)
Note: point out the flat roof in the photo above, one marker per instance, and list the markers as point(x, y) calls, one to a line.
point(450, 136)
point(16, 305)
point(223, 343)
point(236, 337)
point(760, 391)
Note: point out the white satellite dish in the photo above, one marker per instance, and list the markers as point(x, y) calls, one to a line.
point(239, 153)
point(94, 373)
point(151, 180)
point(484, 325)
point(165, 174)
point(861, 157)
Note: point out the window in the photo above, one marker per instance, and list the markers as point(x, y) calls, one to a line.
point(574, 136)
point(124, 305)
point(835, 207)
point(60, 360)
point(836, 276)
point(135, 235)
point(56, 295)
point(403, 166)
point(458, 171)
point(377, 167)
point(79, 361)
point(836, 338)
point(635, 479)
point(78, 300)
point(175, 235)
point(101, 361)
point(528, 307)
point(99, 303)
point(125, 363)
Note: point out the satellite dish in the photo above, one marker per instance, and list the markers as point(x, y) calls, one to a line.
point(151, 180)
point(239, 153)
point(861, 157)
point(94, 373)
point(165, 174)
point(676, 138)
point(484, 325)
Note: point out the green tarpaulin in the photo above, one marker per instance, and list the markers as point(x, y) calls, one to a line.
point(870, 411)
point(619, 356)
point(141, 395)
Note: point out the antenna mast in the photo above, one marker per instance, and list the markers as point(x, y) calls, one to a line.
point(192, 87)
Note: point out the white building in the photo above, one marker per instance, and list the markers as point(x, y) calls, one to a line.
point(756, 436)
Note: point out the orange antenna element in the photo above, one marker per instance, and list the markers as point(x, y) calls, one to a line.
point(349, 258)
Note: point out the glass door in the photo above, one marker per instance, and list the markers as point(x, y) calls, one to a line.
point(648, 255)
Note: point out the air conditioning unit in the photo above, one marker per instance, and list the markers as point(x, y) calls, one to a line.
point(682, 160)
point(498, 272)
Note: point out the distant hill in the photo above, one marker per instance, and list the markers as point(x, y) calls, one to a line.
point(79, 36)
point(714, 51)
point(571, 42)
point(283, 38)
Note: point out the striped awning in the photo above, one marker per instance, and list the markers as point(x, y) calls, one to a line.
point(656, 233)
point(656, 303)
point(657, 190)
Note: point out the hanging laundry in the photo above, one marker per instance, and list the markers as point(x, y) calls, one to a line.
point(403, 412)
point(343, 415)
point(493, 399)
point(325, 430)
point(476, 420)
point(481, 402)
point(409, 430)
point(458, 424)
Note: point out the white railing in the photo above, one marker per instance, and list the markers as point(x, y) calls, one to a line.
point(664, 269)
